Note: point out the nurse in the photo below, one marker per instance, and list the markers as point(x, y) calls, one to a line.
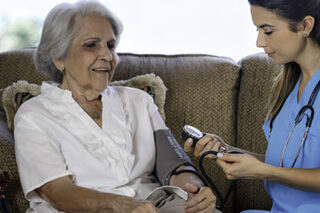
point(289, 32)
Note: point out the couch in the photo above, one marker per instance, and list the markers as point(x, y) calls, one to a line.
point(213, 93)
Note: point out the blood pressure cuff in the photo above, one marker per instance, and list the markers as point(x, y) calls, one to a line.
point(169, 155)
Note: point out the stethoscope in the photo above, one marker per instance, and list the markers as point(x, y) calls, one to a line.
point(192, 132)
point(301, 114)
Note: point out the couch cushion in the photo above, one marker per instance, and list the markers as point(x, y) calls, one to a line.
point(14, 194)
point(202, 92)
point(18, 65)
point(257, 73)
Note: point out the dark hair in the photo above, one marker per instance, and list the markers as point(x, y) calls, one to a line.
point(294, 11)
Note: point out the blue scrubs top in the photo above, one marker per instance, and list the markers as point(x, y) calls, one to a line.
point(285, 198)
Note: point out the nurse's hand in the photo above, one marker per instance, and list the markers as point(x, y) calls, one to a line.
point(241, 166)
point(207, 143)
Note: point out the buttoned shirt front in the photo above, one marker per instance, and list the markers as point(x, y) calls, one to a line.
point(55, 138)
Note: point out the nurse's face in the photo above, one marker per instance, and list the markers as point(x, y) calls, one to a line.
point(275, 37)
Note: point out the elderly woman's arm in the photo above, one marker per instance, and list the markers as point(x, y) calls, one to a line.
point(200, 197)
point(63, 195)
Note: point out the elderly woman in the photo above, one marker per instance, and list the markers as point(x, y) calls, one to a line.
point(81, 145)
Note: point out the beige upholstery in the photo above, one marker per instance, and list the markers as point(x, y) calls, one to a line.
point(257, 72)
point(208, 92)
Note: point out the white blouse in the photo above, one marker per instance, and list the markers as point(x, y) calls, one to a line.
point(55, 137)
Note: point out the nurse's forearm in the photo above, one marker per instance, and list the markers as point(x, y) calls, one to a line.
point(254, 154)
point(303, 179)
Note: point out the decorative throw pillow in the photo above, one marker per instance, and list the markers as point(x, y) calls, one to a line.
point(17, 93)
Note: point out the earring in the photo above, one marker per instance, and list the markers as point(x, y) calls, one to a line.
point(305, 35)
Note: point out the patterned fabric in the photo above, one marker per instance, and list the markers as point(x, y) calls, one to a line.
point(202, 92)
point(256, 79)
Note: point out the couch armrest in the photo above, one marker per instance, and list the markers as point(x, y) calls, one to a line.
point(13, 192)
point(4, 180)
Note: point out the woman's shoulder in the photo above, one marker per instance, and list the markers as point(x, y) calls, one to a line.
point(32, 106)
point(130, 92)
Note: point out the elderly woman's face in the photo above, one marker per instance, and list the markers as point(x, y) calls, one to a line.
point(91, 61)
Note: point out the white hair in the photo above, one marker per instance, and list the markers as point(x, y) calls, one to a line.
point(59, 30)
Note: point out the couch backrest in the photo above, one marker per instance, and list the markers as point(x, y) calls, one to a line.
point(18, 65)
point(14, 65)
point(202, 89)
point(257, 72)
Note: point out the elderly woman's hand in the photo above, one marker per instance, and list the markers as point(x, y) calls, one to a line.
point(201, 199)
point(207, 143)
point(123, 204)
